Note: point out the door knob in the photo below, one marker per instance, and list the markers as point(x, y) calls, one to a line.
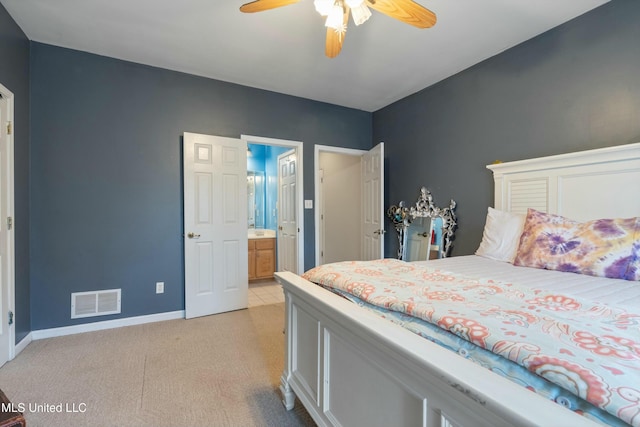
point(379, 232)
point(425, 234)
point(193, 235)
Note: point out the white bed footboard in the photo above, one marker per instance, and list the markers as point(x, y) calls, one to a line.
point(349, 367)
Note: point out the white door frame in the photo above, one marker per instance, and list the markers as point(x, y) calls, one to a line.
point(296, 145)
point(317, 184)
point(8, 182)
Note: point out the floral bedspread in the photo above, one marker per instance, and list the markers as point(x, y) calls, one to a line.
point(591, 350)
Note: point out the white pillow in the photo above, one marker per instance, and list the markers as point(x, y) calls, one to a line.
point(501, 235)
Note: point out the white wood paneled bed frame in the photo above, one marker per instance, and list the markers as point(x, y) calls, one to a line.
point(350, 367)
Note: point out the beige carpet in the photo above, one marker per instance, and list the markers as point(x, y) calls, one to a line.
point(221, 370)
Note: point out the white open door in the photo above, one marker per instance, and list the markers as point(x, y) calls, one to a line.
point(373, 203)
point(419, 240)
point(321, 230)
point(287, 220)
point(215, 224)
point(7, 273)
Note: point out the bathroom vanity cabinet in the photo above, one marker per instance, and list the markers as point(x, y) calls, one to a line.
point(262, 258)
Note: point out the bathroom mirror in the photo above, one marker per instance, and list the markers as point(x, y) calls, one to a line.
point(255, 199)
point(425, 231)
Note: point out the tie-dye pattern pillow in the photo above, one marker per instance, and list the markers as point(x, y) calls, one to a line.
point(634, 267)
point(603, 247)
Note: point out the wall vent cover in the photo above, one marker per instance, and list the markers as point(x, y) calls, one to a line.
point(95, 303)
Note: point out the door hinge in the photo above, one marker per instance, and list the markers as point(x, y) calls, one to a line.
point(10, 318)
point(9, 223)
point(9, 128)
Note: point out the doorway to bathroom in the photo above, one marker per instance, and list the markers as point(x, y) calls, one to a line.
point(274, 214)
point(215, 220)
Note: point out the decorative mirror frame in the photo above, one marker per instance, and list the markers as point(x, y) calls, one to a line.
point(401, 217)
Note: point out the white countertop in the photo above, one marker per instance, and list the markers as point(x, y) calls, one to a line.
point(261, 233)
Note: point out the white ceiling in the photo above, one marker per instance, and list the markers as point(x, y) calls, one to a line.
point(282, 49)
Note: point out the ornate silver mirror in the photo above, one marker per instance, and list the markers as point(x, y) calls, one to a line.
point(425, 231)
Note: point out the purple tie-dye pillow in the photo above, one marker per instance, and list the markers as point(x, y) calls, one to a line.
point(603, 247)
point(634, 267)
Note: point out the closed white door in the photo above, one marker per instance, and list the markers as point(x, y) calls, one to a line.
point(6, 228)
point(373, 203)
point(287, 221)
point(215, 224)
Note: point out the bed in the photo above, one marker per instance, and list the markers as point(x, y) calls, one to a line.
point(350, 366)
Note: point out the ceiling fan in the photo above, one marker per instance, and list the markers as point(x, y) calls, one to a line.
point(337, 13)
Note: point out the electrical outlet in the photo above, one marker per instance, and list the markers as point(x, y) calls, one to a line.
point(159, 287)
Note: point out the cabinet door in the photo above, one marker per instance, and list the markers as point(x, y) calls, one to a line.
point(265, 263)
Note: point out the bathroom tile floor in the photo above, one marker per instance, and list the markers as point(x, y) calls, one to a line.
point(263, 292)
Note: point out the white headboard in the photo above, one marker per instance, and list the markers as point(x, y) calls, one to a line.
point(601, 183)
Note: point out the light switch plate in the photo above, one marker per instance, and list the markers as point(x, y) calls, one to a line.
point(308, 204)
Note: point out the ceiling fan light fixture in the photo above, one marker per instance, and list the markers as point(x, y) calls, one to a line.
point(335, 19)
point(337, 15)
point(360, 13)
point(323, 7)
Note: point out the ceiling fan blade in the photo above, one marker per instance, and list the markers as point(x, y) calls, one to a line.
point(406, 11)
point(260, 5)
point(334, 41)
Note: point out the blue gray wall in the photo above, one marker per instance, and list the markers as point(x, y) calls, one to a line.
point(14, 75)
point(575, 87)
point(106, 171)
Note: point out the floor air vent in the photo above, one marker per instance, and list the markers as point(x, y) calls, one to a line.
point(95, 303)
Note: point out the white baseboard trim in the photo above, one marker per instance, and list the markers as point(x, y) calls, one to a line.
point(107, 324)
point(24, 342)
